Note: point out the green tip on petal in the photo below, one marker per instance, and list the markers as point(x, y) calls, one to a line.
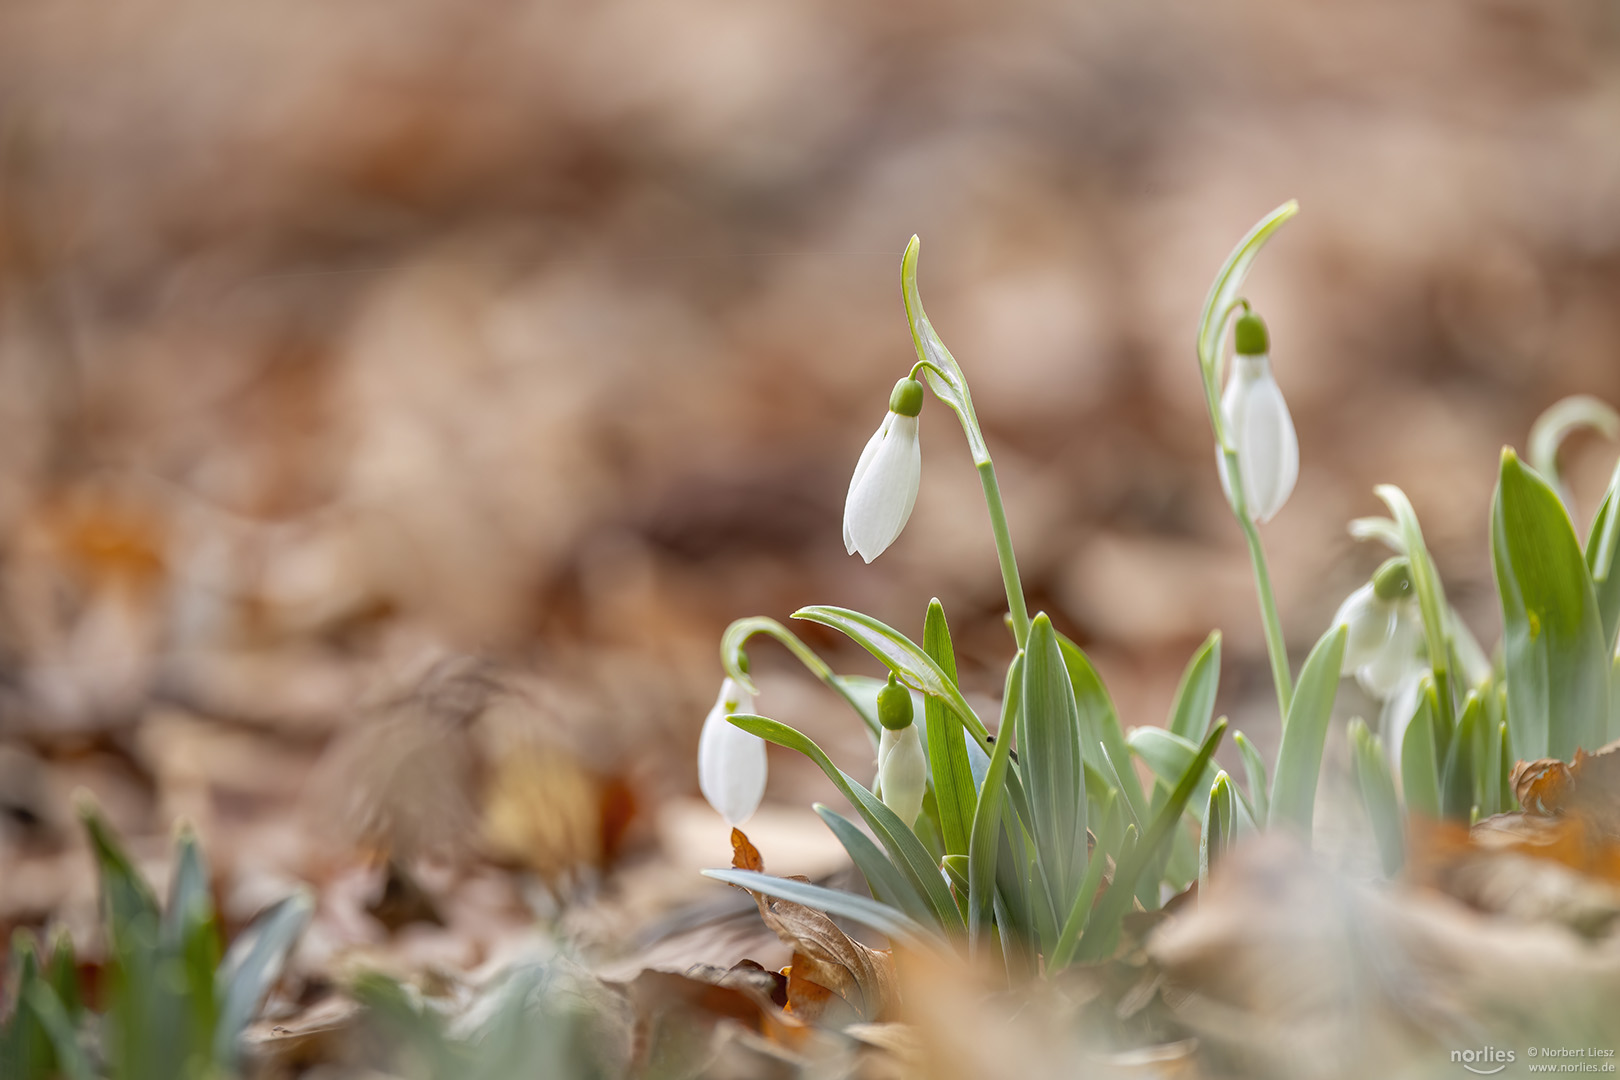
point(894, 705)
point(907, 397)
point(1252, 339)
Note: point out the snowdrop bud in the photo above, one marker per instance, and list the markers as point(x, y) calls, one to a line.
point(731, 762)
point(894, 707)
point(884, 487)
point(1258, 425)
point(1369, 621)
point(902, 772)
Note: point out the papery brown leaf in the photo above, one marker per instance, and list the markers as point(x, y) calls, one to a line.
point(830, 971)
point(744, 855)
point(1543, 786)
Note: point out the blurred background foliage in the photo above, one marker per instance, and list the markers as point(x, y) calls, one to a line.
point(341, 342)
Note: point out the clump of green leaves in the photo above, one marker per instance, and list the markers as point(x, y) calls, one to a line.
point(170, 1006)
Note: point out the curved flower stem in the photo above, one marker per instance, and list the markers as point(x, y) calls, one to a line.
point(1004, 553)
point(1220, 306)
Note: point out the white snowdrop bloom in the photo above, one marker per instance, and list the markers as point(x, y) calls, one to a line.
point(1399, 709)
point(902, 772)
point(1384, 644)
point(1258, 426)
point(731, 762)
point(884, 488)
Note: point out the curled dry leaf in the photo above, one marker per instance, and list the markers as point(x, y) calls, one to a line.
point(832, 979)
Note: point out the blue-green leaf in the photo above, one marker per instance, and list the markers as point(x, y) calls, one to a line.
point(1169, 756)
point(1299, 759)
point(1220, 825)
point(1553, 640)
point(1457, 776)
point(735, 661)
point(948, 764)
point(1100, 734)
point(860, 909)
point(1195, 697)
point(189, 897)
point(901, 843)
point(1254, 771)
point(984, 844)
point(1101, 934)
point(1420, 770)
point(901, 655)
point(888, 884)
point(252, 966)
point(1603, 562)
point(1051, 764)
point(1377, 787)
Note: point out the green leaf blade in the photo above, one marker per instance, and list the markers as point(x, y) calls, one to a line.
point(1052, 765)
point(1299, 759)
point(948, 764)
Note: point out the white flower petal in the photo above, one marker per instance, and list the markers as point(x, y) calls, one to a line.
point(1401, 658)
point(1371, 621)
point(731, 762)
point(861, 466)
point(884, 489)
point(1262, 431)
point(902, 772)
point(1397, 717)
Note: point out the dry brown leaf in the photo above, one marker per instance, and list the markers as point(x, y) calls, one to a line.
point(833, 979)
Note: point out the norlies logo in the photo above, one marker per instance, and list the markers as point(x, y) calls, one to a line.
point(1486, 1061)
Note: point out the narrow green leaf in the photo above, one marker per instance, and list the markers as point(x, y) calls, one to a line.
point(901, 843)
point(1254, 771)
point(888, 884)
point(1377, 787)
point(1169, 756)
point(1457, 777)
point(189, 896)
point(1431, 597)
point(1101, 934)
point(860, 909)
point(1299, 759)
point(62, 973)
point(53, 1018)
point(1100, 734)
point(1079, 913)
point(948, 763)
point(1420, 772)
point(1051, 764)
point(1553, 640)
point(1603, 561)
point(1220, 814)
point(252, 966)
point(1195, 697)
point(125, 895)
point(984, 845)
point(902, 656)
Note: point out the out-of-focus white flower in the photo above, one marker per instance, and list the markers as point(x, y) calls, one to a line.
point(902, 772)
point(884, 488)
point(731, 762)
point(1258, 426)
point(1384, 644)
point(1399, 709)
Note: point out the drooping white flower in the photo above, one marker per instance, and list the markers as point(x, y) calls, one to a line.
point(1384, 644)
point(902, 772)
point(884, 488)
point(1258, 426)
point(731, 762)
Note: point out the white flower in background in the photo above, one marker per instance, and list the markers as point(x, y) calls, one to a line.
point(1384, 645)
point(731, 762)
point(1258, 425)
point(884, 487)
point(902, 773)
point(1399, 709)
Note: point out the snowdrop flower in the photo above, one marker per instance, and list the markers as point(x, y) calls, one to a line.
point(1384, 645)
point(902, 765)
point(731, 762)
point(1258, 425)
point(884, 487)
